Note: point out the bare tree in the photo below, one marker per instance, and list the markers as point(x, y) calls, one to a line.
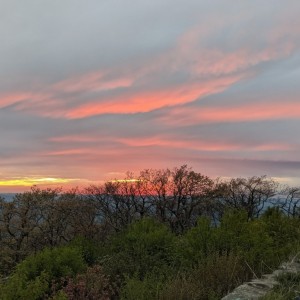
point(156, 184)
point(289, 201)
point(19, 221)
point(190, 198)
point(250, 194)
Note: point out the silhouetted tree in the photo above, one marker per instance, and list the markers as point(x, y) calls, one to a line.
point(250, 194)
point(289, 201)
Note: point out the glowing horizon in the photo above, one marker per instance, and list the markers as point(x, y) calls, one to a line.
point(32, 181)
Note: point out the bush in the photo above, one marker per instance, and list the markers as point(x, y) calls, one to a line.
point(33, 277)
point(148, 288)
point(284, 230)
point(196, 244)
point(145, 245)
point(91, 251)
point(210, 279)
point(92, 285)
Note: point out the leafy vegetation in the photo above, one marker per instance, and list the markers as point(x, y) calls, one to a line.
point(168, 235)
point(33, 277)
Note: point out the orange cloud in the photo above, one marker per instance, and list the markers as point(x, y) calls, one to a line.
point(10, 98)
point(148, 101)
point(243, 113)
point(207, 69)
point(222, 69)
point(68, 152)
point(201, 145)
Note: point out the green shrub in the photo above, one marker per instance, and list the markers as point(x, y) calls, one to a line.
point(91, 250)
point(196, 244)
point(148, 288)
point(145, 245)
point(284, 230)
point(33, 277)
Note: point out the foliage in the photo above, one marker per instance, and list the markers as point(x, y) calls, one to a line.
point(90, 249)
point(33, 277)
point(283, 230)
point(92, 285)
point(209, 279)
point(150, 287)
point(143, 246)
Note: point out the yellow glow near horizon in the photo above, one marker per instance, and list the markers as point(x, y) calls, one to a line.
point(27, 181)
point(125, 180)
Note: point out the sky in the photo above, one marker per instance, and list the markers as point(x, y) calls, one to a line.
point(92, 89)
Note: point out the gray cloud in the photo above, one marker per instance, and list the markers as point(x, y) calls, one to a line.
point(93, 87)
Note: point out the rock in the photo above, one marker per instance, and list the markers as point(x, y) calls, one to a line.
point(257, 288)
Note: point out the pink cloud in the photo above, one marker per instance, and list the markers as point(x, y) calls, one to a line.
point(208, 70)
point(78, 151)
point(214, 60)
point(73, 138)
point(243, 113)
point(148, 101)
point(94, 81)
point(10, 98)
point(202, 145)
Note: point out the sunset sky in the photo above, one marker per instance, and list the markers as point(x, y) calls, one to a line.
point(92, 88)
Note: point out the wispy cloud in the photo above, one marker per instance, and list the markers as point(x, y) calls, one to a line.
point(88, 91)
point(246, 112)
point(193, 67)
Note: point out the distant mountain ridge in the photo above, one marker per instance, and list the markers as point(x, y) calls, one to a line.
point(7, 196)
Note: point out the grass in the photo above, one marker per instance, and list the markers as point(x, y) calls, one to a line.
point(288, 288)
